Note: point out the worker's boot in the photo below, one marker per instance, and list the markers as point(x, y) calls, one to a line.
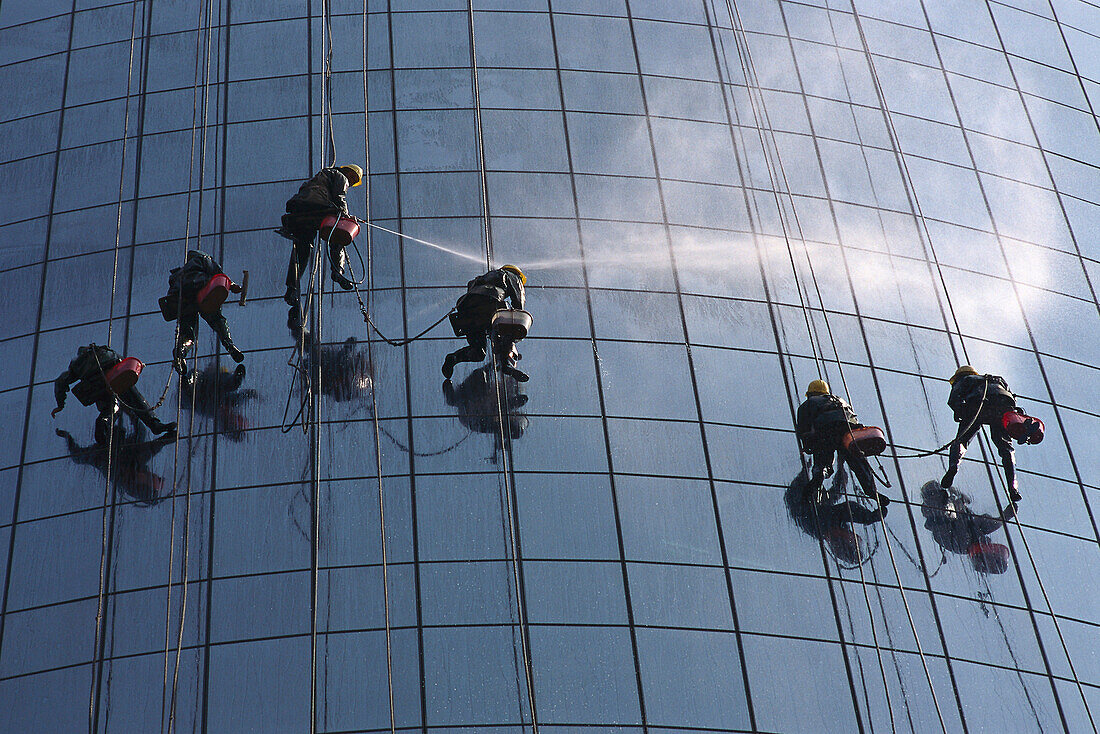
point(339, 260)
point(221, 328)
point(103, 422)
point(509, 368)
point(449, 365)
point(158, 427)
point(292, 297)
point(179, 357)
point(814, 487)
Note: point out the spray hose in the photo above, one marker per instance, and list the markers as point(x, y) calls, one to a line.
point(359, 296)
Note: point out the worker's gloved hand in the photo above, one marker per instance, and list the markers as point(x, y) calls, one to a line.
point(234, 288)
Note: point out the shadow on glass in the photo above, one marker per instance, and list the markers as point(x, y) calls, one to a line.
point(820, 513)
point(958, 529)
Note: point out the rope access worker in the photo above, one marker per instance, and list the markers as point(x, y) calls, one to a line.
point(822, 423)
point(185, 286)
point(317, 198)
point(979, 400)
point(88, 370)
point(956, 528)
point(473, 318)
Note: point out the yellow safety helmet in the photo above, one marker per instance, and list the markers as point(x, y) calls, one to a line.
point(962, 371)
point(353, 172)
point(817, 387)
point(517, 271)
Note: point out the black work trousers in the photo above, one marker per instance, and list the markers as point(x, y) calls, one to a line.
point(1001, 440)
point(475, 316)
point(189, 326)
point(133, 403)
point(299, 261)
point(861, 468)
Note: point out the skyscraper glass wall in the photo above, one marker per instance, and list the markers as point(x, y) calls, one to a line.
point(715, 202)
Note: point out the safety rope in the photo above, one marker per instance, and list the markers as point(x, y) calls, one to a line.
point(314, 415)
point(926, 239)
point(977, 414)
point(202, 71)
point(752, 81)
point(369, 276)
point(101, 595)
point(505, 436)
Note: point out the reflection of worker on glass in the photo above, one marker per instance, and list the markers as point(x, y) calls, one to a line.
point(345, 369)
point(478, 408)
point(824, 425)
point(217, 392)
point(477, 314)
point(820, 515)
point(985, 400)
point(956, 528)
point(106, 380)
point(127, 463)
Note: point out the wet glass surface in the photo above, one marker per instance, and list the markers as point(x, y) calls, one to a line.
point(715, 204)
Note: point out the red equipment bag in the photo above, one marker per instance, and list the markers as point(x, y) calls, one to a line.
point(866, 441)
point(124, 375)
point(120, 378)
point(214, 293)
point(339, 230)
point(1022, 427)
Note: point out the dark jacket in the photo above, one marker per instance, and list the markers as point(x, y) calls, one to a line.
point(193, 276)
point(966, 397)
point(497, 285)
point(84, 366)
point(325, 191)
point(822, 420)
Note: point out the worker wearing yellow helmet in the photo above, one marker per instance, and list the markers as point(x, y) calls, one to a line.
point(823, 420)
point(317, 198)
point(985, 400)
point(474, 315)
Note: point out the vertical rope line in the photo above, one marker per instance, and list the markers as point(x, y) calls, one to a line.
point(482, 176)
point(878, 211)
point(600, 391)
point(505, 436)
point(374, 376)
point(733, 121)
point(750, 74)
point(315, 413)
point(763, 122)
point(186, 543)
point(924, 236)
point(101, 596)
point(1031, 338)
point(909, 331)
point(166, 697)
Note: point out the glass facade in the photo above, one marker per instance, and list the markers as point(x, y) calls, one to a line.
point(715, 201)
